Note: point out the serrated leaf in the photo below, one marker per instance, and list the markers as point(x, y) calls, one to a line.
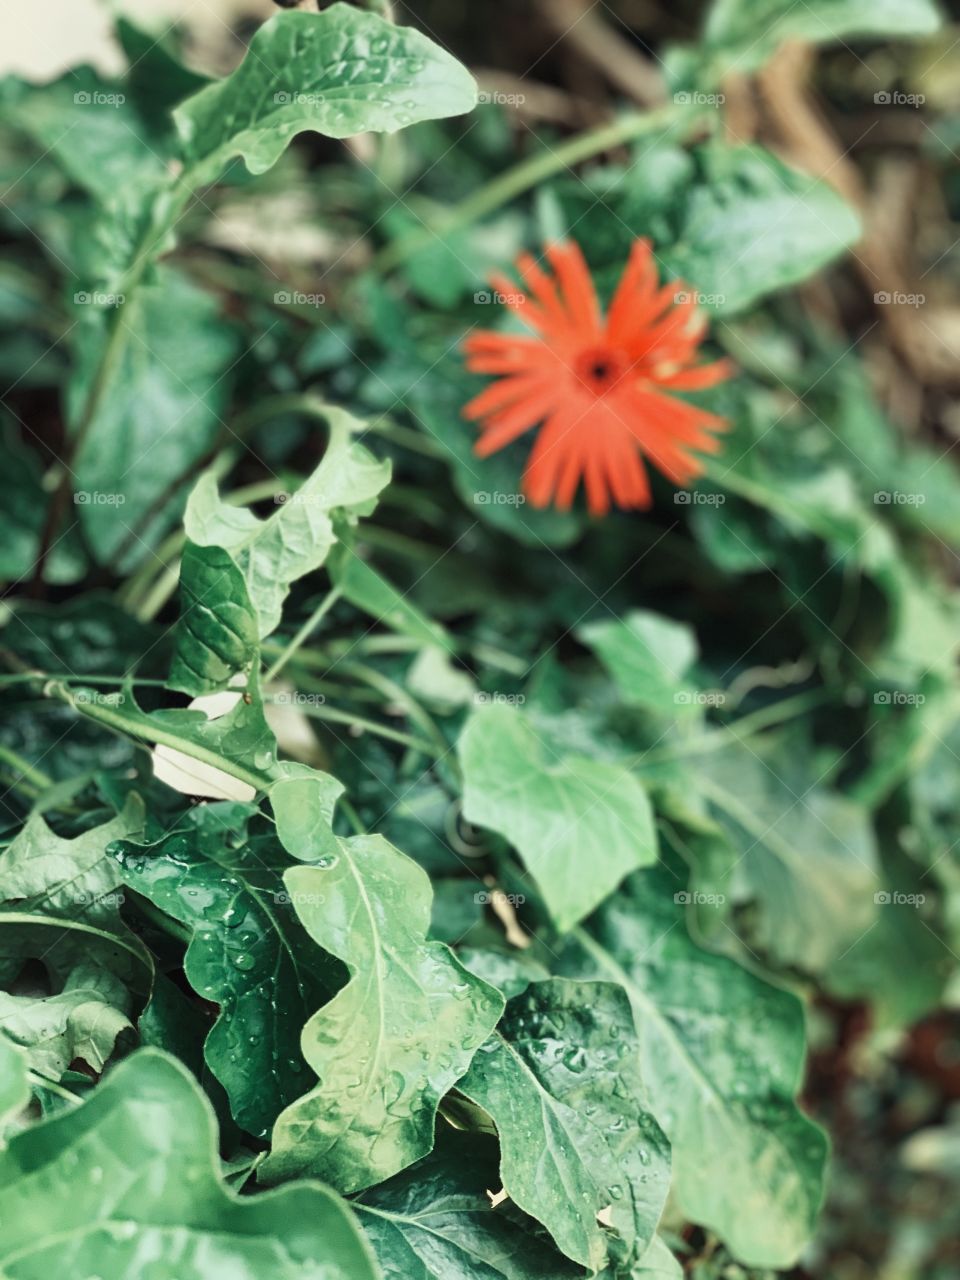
point(237, 569)
point(435, 1221)
point(76, 879)
point(722, 1056)
point(561, 1080)
point(341, 72)
point(400, 1033)
point(79, 1024)
point(238, 742)
point(59, 899)
point(248, 953)
point(132, 1175)
point(580, 825)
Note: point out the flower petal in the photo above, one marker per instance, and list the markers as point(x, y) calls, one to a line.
point(579, 294)
point(501, 395)
point(696, 379)
point(557, 449)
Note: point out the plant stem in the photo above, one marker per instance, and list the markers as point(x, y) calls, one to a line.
point(746, 727)
point(144, 730)
point(38, 1081)
point(25, 769)
point(529, 173)
point(370, 726)
point(307, 630)
point(152, 240)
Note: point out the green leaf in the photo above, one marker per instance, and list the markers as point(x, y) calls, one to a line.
point(248, 953)
point(658, 1263)
point(217, 634)
point(59, 898)
point(79, 1024)
point(580, 825)
point(435, 1221)
point(238, 742)
point(803, 855)
point(14, 1089)
point(133, 1175)
point(722, 1056)
point(42, 872)
point(237, 569)
point(400, 1033)
point(741, 35)
point(158, 413)
point(370, 591)
point(339, 73)
point(792, 223)
point(647, 655)
point(96, 136)
point(561, 1080)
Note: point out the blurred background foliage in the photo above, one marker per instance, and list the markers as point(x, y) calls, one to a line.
point(827, 573)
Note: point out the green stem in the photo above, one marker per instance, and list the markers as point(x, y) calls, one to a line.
point(407, 438)
point(307, 630)
point(530, 173)
point(25, 769)
point(396, 693)
point(38, 1081)
point(144, 731)
point(371, 726)
point(165, 923)
point(351, 815)
point(746, 727)
point(158, 595)
point(152, 240)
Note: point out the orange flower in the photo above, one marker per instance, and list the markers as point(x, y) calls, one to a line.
point(599, 385)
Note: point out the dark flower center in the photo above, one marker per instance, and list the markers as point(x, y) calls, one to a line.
point(601, 368)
